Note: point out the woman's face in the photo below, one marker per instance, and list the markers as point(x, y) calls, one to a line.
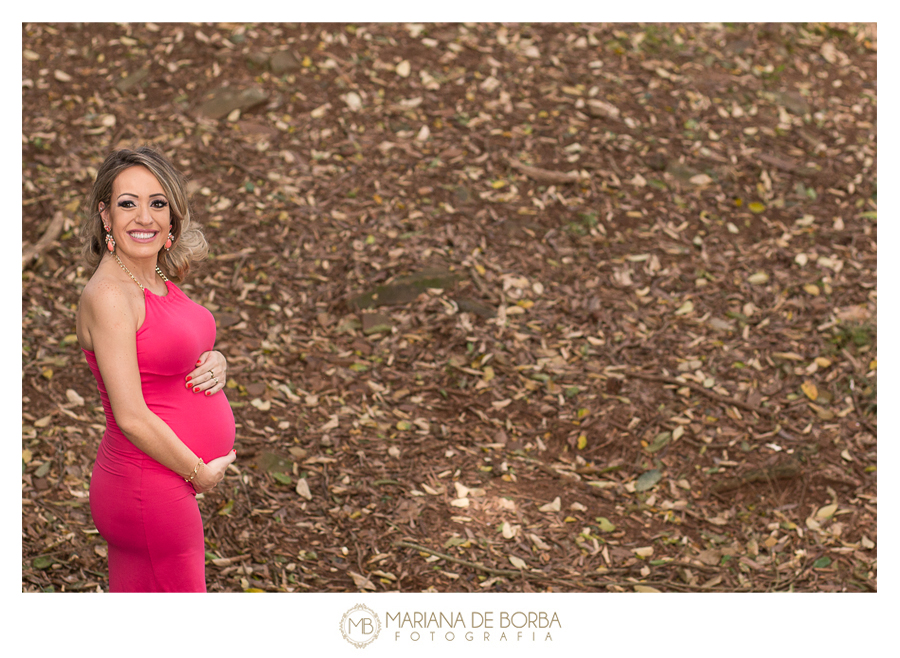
point(139, 214)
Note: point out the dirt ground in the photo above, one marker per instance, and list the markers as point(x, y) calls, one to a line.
point(518, 307)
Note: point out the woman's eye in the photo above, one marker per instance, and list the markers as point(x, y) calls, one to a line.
point(159, 204)
point(126, 204)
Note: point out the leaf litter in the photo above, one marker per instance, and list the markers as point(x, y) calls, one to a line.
point(558, 307)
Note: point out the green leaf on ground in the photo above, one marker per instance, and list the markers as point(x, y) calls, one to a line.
point(42, 562)
point(660, 442)
point(647, 480)
point(282, 478)
point(605, 524)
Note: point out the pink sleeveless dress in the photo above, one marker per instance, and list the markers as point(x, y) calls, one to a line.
point(146, 512)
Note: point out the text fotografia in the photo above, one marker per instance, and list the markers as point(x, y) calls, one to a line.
point(482, 626)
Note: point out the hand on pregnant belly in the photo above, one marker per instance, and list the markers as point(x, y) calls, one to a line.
point(208, 376)
point(212, 473)
point(204, 424)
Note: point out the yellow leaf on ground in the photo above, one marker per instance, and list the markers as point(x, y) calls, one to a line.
point(361, 581)
point(74, 398)
point(555, 506)
point(302, 489)
point(582, 442)
point(827, 511)
point(756, 207)
point(646, 589)
point(812, 289)
point(790, 356)
point(462, 491)
point(264, 405)
point(518, 562)
point(685, 308)
point(810, 390)
point(821, 412)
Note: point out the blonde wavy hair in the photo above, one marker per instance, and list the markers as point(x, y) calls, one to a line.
point(189, 244)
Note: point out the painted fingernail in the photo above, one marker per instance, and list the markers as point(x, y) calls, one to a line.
point(207, 392)
point(196, 389)
point(188, 378)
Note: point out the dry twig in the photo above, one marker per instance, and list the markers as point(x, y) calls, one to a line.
point(699, 389)
point(32, 253)
point(544, 175)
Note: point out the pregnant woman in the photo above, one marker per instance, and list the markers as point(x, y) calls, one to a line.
point(169, 428)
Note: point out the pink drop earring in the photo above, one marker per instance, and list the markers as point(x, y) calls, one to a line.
point(110, 240)
point(170, 240)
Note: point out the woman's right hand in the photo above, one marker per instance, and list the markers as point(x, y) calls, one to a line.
point(212, 473)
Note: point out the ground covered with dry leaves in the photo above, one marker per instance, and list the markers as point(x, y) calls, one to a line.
point(506, 307)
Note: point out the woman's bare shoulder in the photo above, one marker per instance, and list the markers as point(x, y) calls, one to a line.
point(102, 287)
point(106, 297)
point(104, 303)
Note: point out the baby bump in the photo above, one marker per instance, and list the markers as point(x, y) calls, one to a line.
point(204, 423)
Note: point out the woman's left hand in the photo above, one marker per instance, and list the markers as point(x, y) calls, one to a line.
point(208, 377)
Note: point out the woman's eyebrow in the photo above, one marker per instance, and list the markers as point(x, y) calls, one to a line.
point(136, 196)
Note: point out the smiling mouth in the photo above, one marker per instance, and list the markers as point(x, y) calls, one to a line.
point(140, 235)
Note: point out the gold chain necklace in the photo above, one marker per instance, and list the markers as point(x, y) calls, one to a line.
point(158, 271)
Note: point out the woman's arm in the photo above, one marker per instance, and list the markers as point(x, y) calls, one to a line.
point(109, 317)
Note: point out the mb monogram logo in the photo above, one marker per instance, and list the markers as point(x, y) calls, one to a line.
point(360, 626)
